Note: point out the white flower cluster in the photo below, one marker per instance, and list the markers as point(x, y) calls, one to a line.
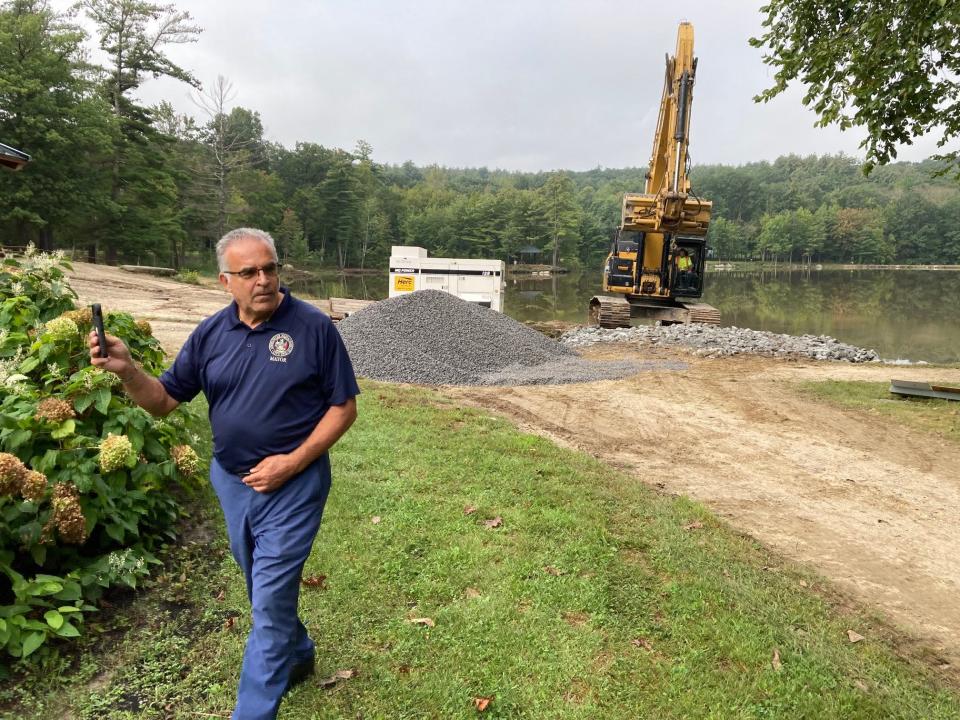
point(92, 374)
point(61, 328)
point(9, 377)
point(42, 261)
point(119, 559)
point(116, 452)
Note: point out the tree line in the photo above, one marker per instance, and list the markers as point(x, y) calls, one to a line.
point(115, 180)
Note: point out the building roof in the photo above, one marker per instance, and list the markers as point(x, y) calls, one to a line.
point(12, 158)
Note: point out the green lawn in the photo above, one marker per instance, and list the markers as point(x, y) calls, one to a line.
point(941, 417)
point(593, 598)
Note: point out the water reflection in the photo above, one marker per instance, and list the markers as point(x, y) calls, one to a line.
point(900, 313)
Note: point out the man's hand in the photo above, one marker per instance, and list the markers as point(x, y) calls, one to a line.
point(118, 360)
point(271, 473)
point(145, 390)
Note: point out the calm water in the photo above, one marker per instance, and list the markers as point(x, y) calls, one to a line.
point(913, 314)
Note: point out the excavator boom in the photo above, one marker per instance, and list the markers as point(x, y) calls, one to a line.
point(666, 202)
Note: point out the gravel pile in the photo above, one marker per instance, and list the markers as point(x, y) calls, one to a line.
point(433, 338)
point(714, 341)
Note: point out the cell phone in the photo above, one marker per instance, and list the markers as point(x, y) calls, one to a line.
point(98, 326)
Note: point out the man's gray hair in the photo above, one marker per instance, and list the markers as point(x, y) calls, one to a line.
point(240, 234)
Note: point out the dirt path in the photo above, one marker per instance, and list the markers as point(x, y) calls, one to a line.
point(864, 501)
point(173, 308)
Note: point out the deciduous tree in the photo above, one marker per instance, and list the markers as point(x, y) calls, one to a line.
point(888, 66)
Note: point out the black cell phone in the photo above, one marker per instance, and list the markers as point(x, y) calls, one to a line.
point(98, 326)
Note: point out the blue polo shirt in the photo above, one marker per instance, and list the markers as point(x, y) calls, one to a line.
point(268, 386)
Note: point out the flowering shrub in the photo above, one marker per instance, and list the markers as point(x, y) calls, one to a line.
point(87, 479)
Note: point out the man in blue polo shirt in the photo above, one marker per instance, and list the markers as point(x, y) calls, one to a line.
point(281, 391)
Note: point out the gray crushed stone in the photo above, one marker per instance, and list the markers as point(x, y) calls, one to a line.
point(430, 337)
point(715, 341)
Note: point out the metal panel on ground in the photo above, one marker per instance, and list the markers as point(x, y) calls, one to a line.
point(923, 389)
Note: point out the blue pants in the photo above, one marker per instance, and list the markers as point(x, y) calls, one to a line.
point(270, 536)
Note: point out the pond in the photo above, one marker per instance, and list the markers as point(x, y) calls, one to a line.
point(910, 314)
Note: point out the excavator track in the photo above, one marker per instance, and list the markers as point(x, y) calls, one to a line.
point(702, 313)
point(609, 312)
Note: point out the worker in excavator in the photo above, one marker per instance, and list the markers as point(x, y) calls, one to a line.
point(686, 276)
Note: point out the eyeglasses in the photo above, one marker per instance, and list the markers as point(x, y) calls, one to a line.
point(269, 270)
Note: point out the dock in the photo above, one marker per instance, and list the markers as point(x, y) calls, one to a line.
point(339, 308)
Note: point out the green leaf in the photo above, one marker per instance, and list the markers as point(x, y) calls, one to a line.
point(45, 588)
point(129, 524)
point(153, 448)
point(68, 609)
point(69, 593)
point(41, 577)
point(68, 630)
point(115, 531)
point(47, 462)
point(66, 429)
point(32, 641)
point(83, 402)
point(10, 611)
point(103, 399)
point(38, 553)
point(54, 619)
point(29, 364)
point(16, 439)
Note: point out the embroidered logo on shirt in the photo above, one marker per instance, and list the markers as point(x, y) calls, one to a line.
point(280, 346)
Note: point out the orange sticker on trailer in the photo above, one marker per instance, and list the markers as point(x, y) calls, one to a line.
point(403, 283)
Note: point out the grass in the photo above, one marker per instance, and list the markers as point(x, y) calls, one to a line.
point(593, 598)
point(931, 415)
point(191, 277)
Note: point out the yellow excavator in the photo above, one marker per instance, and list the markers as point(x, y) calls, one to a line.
point(656, 264)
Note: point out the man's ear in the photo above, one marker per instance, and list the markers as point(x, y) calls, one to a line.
point(224, 281)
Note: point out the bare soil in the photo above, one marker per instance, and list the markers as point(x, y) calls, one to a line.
point(173, 308)
point(869, 504)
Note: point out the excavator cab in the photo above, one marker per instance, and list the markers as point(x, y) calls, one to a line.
point(687, 267)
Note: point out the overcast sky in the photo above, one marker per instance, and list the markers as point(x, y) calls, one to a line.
point(511, 84)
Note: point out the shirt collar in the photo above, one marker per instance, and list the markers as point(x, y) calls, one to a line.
point(283, 309)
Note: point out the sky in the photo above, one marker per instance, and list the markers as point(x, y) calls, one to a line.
point(516, 85)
